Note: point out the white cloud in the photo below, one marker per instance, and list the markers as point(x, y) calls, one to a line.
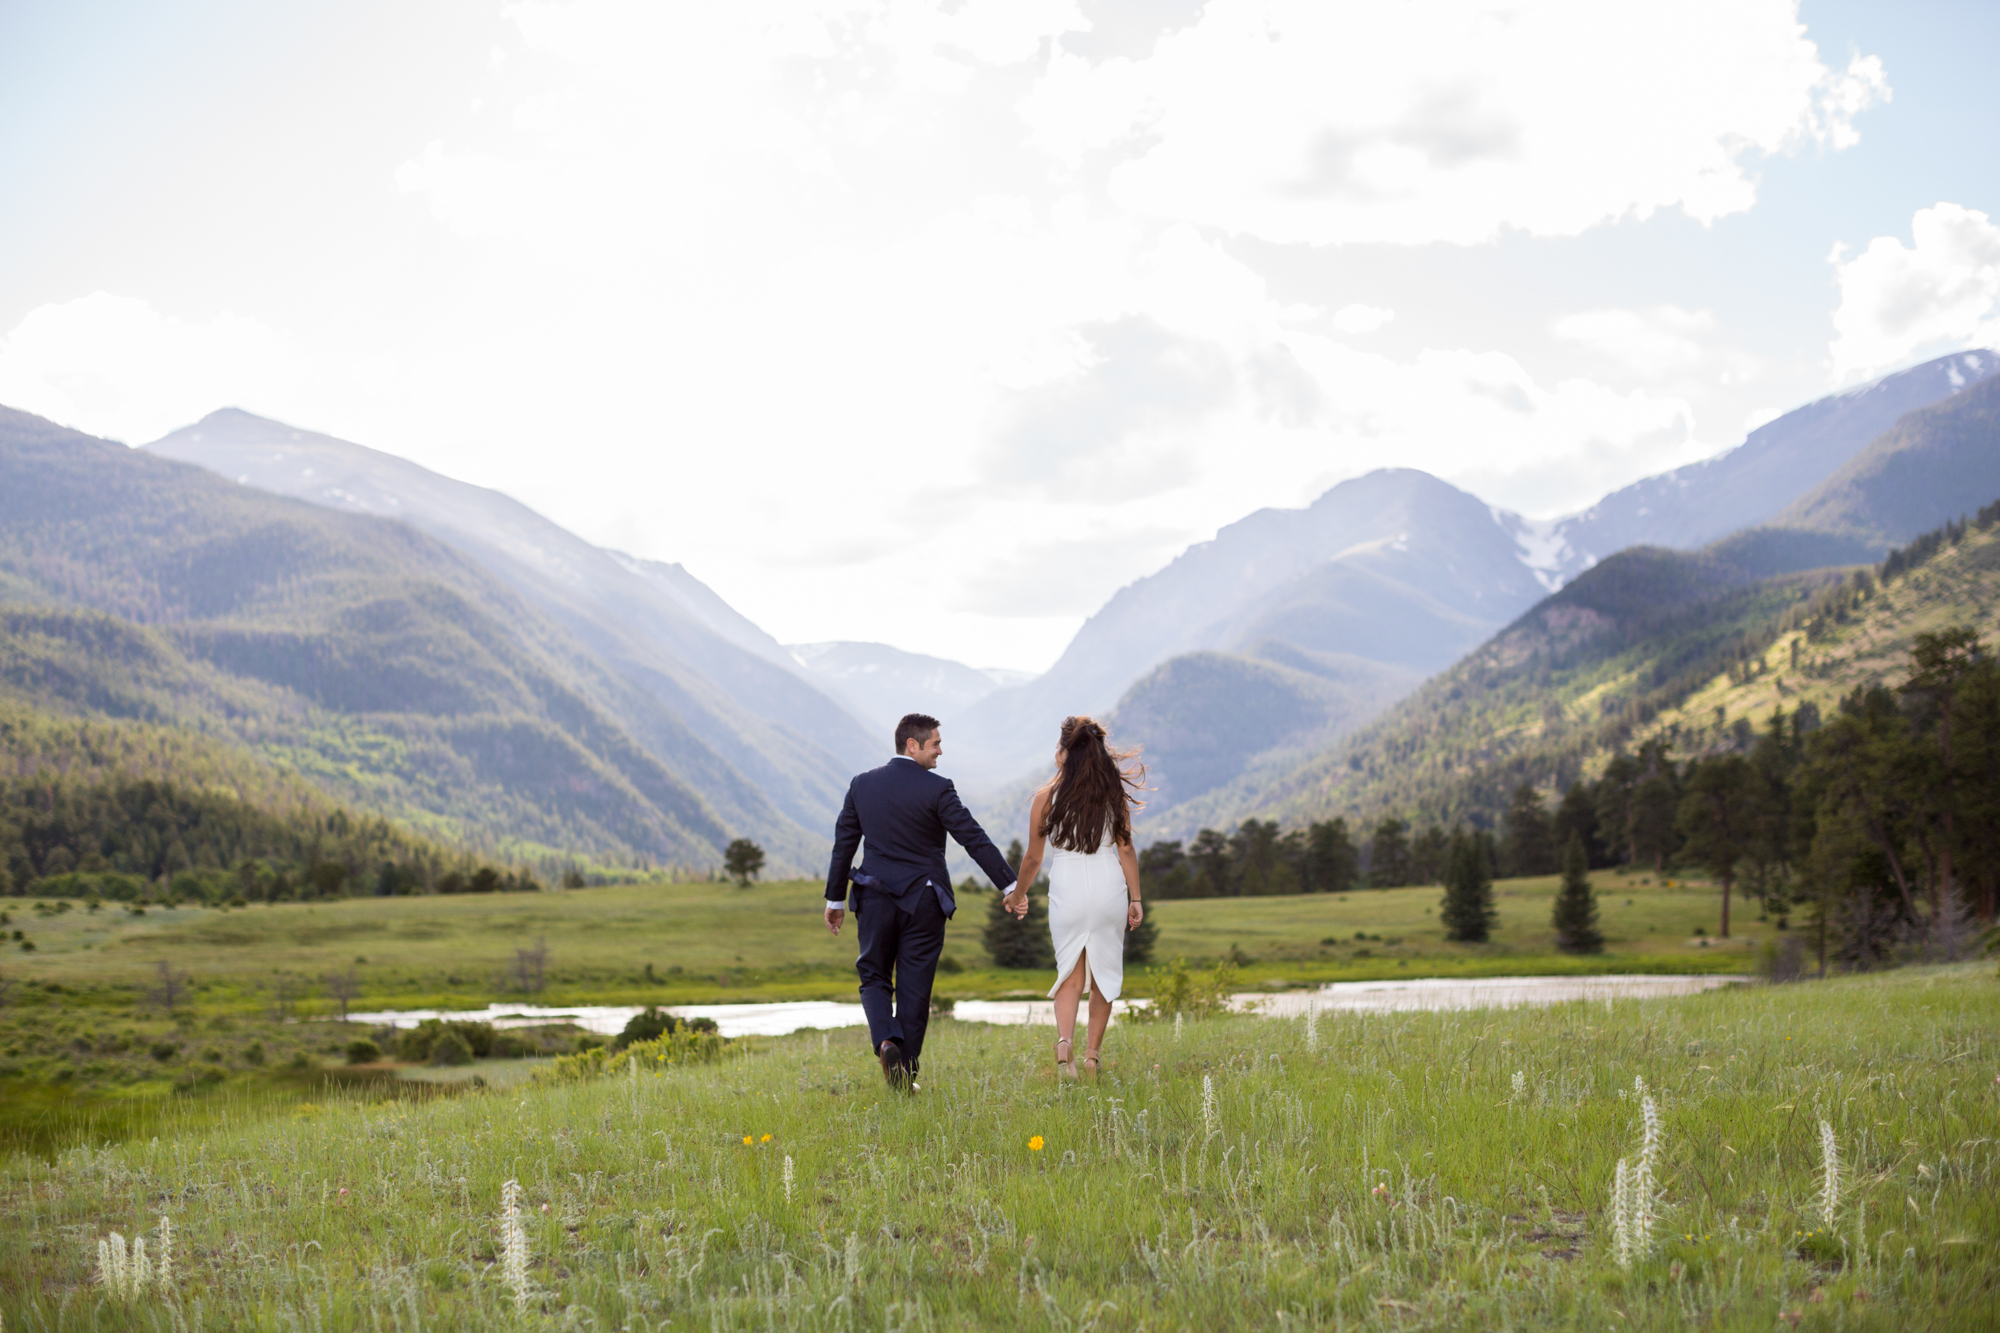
point(1296, 120)
point(1660, 345)
point(1355, 319)
point(856, 305)
point(1899, 301)
point(113, 366)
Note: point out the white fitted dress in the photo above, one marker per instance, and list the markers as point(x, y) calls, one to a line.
point(1087, 916)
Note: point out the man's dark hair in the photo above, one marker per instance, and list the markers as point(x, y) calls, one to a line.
point(919, 725)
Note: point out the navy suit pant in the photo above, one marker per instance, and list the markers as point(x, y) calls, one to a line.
point(899, 955)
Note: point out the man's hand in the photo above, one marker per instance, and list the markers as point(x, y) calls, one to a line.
point(834, 916)
point(1016, 902)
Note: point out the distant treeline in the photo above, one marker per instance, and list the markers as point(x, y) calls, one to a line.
point(140, 838)
point(1882, 821)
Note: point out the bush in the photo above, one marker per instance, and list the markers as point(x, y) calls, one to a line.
point(417, 1044)
point(1181, 992)
point(649, 1024)
point(253, 1054)
point(678, 1048)
point(362, 1051)
point(164, 1051)
point(451, 1048)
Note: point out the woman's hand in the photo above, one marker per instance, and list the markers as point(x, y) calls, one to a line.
point(1134, 914)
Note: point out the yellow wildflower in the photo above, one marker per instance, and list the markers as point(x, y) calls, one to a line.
point(1035, 1144)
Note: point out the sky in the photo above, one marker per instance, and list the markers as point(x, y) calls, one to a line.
point(933, 324)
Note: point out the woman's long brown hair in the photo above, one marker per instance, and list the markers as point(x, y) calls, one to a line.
point(1096, 787)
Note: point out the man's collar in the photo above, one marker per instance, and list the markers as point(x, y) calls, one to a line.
point(905, 758)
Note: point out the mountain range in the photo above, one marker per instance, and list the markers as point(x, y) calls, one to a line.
point(387, 666)
point(1631, 639)
point(439, 652)
point(1398, 570)
point(664, 632)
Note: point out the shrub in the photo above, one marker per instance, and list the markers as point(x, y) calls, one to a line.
point(164, 1051)
point(254, 1053)
point(649, 1024)
point(1182, 992)
point(417, 1044)
point(683, 1047)
point(362, 1051)
point(451, 1048)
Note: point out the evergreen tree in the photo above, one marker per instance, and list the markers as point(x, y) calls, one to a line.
point(1427, 855)
point(1528, 849)
point(1576, 817)
point(1254, 851)
point(1718, 817)
point(1655, 799)
point(1164, 872)
point(1016, 943)
point(1575, 915)
point(1210, 855)
point(1332, 864)
point(1468, 912)
point(1141, 941)
point(1389, 855)
point(1614, 808)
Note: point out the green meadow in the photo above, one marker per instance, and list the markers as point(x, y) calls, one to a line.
point(708, 942)
point(1825, 1155)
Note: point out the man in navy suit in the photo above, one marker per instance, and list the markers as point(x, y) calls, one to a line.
point(902, 894)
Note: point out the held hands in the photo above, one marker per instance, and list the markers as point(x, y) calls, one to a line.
point(1134, 914)
point(834, 916)
point(1016, 902)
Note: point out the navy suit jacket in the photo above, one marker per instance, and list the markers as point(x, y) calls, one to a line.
point(904, 811)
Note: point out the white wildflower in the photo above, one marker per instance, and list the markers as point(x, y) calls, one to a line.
point(1621, 1215)
point(1632, 1193)
point(1520, 1086)
point(1829, 1190)
point(788, 1180)
point(1312, 1027)
point(513, 1245)
point(164, 1277)
point(1642, 1177)
point(1177, 1026)
point(111, 1263)
point(1211, 1114)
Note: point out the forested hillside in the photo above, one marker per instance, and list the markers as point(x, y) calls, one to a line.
point(1574, 678)
point(670, 641)
point(383, 666)
point(1841, 766)
point(136, 811)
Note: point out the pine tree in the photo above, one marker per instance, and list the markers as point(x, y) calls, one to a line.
point(1022, 943)
point(1575, 915)
point(1140, 941)
point(1468, 912)
point(1528, 848)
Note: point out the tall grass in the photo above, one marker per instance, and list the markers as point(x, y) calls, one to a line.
point(1398, 1175)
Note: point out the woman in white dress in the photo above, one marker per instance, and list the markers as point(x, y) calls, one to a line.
point(1082, 821)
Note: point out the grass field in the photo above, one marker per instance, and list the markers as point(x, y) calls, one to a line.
point(1375, 1171)
point(716, 943)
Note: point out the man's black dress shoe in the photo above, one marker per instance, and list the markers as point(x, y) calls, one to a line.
point(894, 1072)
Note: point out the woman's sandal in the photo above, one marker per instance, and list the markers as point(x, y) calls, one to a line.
point(1090, 1062)
point(1065, 1068)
